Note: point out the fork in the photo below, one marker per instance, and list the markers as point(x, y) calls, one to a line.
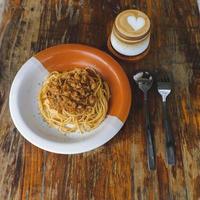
point(164, 89)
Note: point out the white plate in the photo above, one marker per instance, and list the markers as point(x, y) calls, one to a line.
point(28, 120)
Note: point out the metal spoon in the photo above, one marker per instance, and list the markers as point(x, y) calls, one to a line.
point(145, 81)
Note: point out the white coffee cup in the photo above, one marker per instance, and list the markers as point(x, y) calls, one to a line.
point(130, 35)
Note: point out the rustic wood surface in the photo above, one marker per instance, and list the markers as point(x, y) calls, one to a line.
point(117, 170)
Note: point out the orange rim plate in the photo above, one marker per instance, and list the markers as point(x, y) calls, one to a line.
point(27, 83)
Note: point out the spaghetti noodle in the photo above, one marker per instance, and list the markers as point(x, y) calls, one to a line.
point(75, 100)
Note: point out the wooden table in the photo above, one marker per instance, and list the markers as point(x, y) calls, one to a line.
point(117, 170)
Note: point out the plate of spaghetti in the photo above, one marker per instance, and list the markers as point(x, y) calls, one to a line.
point(70, 99)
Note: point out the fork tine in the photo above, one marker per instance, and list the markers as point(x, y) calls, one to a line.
point(167, 78)
point(163, 77)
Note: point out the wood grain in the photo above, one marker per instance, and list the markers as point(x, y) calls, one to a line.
point(117, 170)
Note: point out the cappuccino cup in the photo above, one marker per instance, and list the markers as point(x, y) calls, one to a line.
point(130, 34)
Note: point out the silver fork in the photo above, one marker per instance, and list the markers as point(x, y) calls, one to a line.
point(164, 89)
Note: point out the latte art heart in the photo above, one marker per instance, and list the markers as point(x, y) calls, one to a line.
point(135, 23)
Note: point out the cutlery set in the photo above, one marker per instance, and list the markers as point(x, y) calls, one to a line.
point(144, 81)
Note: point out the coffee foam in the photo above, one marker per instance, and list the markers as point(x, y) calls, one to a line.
point(136, 23)
point(132, 24)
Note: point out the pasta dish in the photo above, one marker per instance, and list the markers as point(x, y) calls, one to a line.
point(75, 100)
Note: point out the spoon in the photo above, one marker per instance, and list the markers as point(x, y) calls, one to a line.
point(145, 81)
